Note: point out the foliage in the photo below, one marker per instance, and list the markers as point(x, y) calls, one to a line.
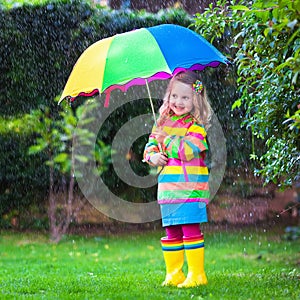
point(9, 4)
point(33, 56)
point(264, 42)
point(56, 138)
point(23, 179)
point(248, 264)
point(40, 43)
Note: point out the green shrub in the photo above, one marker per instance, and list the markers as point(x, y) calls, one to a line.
point(263, 40)
point(23, 179)
point(40, 43)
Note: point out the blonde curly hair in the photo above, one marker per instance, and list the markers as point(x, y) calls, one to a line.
point(202, 109)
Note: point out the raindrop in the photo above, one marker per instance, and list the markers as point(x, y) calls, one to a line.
point(50, 6)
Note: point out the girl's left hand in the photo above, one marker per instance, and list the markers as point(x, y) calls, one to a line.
point(159, 159)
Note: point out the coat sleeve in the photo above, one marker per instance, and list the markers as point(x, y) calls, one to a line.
point(151, 148)
point(187, 147)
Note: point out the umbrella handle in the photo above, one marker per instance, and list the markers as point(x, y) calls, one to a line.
point(151, 103)
point(153, 111)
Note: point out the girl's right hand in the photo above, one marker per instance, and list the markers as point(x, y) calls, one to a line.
point(159, 159)
point(160, 135)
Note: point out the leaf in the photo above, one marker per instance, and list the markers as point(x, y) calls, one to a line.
point(264, 15)
point(283, 3)
point(236, 104)
point(253, 156)
point(240, 34)
point(66, 166)
point(266, 31)
point(295, 34)
point(36, 148)
point(62, 157)
point(239, 7)
point(79, 111)
point(281, 66)
point(294, 80)
point(82, 158)
point(235, 45)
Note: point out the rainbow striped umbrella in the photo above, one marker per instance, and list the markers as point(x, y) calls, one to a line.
point(138, 57)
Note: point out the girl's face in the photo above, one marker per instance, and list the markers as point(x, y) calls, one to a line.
point(181, 98)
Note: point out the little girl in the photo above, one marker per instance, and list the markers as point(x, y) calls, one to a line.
point(178, 146)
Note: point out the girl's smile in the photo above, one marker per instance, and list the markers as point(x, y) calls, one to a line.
point(181, 98)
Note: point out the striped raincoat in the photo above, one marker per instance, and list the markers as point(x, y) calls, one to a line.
point(183, 190)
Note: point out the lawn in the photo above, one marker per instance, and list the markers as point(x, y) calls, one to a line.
point(240, 264)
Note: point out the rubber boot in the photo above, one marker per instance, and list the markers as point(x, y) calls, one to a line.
point(174, 258)
point(194, 251)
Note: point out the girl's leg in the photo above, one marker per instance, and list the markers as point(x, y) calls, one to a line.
point(191, 230)
point(172, 246)
point(174, 232)
point(193, 241)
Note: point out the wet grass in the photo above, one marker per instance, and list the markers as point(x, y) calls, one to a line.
point(239, 265)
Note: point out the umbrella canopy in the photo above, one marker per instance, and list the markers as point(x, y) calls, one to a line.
point(138, 57)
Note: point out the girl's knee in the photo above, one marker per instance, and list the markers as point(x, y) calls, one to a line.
point(174, 232)
point(191, 230)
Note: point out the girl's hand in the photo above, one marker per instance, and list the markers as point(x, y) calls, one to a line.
point(160, 135)
point(159, 159)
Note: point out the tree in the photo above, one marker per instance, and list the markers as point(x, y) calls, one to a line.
point(55, 137)
point(263, 38)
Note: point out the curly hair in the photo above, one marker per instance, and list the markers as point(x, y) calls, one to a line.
point(201, 110)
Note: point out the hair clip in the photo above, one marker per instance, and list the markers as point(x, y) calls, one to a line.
point(198, 86)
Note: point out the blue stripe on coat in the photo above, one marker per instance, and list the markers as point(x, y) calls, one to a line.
point(181, 178)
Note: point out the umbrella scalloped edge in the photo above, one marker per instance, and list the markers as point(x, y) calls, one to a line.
point(142, 81)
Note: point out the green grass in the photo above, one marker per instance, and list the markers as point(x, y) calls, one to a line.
point(239, 265)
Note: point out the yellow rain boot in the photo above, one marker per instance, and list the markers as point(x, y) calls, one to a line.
point(194, 251)
point(174, 259)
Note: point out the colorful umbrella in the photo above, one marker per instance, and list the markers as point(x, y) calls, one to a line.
point(138, 57)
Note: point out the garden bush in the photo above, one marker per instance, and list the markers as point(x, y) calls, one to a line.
point(40, 45)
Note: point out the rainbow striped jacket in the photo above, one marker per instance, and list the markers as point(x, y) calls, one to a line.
point(185, 177)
